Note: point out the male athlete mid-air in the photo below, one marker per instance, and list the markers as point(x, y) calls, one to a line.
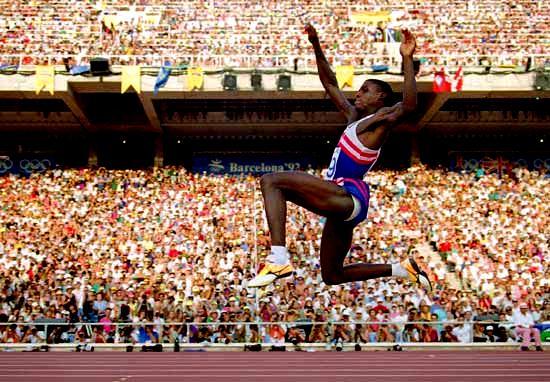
point(343, 197)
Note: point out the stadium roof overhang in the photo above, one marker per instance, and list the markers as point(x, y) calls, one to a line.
point(92, 107)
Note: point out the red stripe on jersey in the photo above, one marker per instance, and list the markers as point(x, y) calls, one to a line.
point(359, 152)
point(356, 158)
point(362, 151)
point(338, 181)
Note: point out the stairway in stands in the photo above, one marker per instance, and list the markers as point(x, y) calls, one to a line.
point(431, 256)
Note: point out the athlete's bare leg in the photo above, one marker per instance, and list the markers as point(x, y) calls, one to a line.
point(315, 194)
point(325, 199)
point(335, 244)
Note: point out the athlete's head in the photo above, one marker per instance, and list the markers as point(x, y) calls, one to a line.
point(373, 95)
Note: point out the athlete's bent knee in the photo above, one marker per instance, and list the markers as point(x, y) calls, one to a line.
point(268, 180)
point(332, 278)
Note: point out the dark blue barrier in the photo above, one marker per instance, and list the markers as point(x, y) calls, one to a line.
point(499, 163)
point(25, 166)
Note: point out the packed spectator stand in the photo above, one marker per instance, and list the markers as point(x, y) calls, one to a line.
point(105, 251)
point(164, 245)
point(267, 33)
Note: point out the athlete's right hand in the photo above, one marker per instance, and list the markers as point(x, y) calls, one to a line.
point(408, 45)
point(311, 33)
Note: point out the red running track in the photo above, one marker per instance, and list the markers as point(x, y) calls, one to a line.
point(440, 366)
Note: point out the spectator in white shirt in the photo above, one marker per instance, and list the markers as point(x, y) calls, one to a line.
point(525, 327)
point(464, 331)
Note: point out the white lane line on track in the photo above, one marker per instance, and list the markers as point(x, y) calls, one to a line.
point(274, 360)
point(288, 364)
point(383, 366)
point(453, 378)
point(303, 372)
point(273, 375)
point(291, 357)
point(122, 379)
point(138, 368)
point(296, 359)
point(240, 353)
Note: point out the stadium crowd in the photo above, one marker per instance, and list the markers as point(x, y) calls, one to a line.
point(217, 33)
point(168, 246)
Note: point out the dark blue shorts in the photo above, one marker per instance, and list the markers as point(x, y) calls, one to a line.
point(361, 191)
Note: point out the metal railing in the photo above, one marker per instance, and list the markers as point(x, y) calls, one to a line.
point(27, 335)
point(306, 62)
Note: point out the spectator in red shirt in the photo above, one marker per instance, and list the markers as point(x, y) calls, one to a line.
point(429, 333)
point(380, 307)
point(447, 335)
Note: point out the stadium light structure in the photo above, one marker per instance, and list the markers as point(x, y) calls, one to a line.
point(256, 81)
point(229, 82)
point(100, 66)
point(284, 82)
point(542, 81)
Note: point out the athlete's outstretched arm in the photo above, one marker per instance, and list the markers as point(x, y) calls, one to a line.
point(388, 117)
point(327, 76)
point(409, 104)
point(409, 88)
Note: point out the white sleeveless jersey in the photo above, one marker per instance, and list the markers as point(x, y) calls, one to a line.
point(351, 159)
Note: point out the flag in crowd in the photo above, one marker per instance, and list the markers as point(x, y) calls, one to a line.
point(443, 83)
point(162, 77)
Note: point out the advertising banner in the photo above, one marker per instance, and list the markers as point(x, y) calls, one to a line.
point(244, 165)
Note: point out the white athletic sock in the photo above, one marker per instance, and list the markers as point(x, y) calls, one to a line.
point(279, 255)
point(398, 270)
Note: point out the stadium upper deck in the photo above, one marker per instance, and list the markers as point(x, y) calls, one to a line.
point(228, 33)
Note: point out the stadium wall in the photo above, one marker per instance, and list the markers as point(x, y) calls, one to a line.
point(87, 121)
point(300, 82)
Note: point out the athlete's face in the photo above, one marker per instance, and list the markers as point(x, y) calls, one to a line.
point(369, 97)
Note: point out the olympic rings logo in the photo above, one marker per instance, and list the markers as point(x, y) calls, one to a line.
point(34, 165)
point(489, 163)
point(471, 164)
point(541, 163)
point(5, 165)
point(521, 163)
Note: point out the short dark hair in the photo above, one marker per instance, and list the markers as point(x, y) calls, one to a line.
point(385, 89)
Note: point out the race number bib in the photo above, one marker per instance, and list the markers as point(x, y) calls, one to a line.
point(332, 167)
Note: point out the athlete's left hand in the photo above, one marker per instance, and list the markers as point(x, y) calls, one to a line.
point(311, 33)
point(408, 45)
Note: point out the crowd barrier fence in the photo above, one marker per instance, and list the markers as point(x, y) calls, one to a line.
point(186, 335)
